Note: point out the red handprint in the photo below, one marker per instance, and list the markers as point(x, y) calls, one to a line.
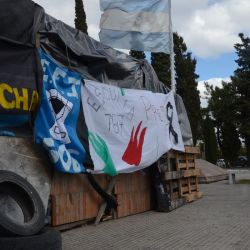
point(133, 152)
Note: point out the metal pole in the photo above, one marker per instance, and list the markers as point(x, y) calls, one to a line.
point(173, 82)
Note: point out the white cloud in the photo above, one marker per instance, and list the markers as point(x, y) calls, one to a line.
point(209, 27)
point(61, 10)
point(215, 82)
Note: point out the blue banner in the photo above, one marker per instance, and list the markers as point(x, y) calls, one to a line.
point(56, 121)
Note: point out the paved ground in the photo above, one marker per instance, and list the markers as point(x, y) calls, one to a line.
point(220, 220)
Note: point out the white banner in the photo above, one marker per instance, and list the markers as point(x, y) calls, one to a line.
point(128, 129)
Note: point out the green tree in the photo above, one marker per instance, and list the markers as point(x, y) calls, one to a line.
point(230, 142)
point(211, 150)
point(80, 17)
point(241, 81)
point(161, 65)
point(186, 85)
point(222, 105)
point(137, 54)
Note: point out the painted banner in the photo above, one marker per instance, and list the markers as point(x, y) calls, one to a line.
point(128, 129)
point(56, 121)
point(137, 25)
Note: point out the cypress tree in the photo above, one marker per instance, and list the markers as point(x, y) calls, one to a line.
point(222, 105)
point(161, 65)
point(230, 142)
point(137, 54)
point(186, 85)
point(211, 151)
point(241, 81)
point(80, 17)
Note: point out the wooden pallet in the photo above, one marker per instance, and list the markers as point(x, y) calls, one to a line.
point(181, 175)
point(189, 185)
point(193, 196)
point(176, 161)
point(190, 188)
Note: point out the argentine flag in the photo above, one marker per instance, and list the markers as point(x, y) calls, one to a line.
point(142, 25)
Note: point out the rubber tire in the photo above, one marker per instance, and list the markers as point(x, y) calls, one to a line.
point(28, 200)
point(47, 239)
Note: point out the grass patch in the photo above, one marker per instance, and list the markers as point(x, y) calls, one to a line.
point(243, 181)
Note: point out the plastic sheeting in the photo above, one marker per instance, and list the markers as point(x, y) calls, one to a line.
point(20, 68)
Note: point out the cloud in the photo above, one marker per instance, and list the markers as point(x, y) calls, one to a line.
point(211, 28)
point(61, 10)
point(215, 82)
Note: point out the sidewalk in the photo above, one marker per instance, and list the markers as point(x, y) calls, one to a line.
point(220, 220)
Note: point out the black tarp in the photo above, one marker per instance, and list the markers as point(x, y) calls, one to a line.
point(20, 70)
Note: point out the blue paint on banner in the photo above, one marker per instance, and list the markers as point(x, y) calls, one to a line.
point(56, 121)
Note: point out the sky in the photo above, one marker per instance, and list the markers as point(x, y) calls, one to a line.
point(210, 29)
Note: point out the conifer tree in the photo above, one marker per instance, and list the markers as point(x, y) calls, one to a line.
point(186, 85)
point(161, 65)
point(80, 17)
point(211, 150)
point(222, 105)
point(241, 81)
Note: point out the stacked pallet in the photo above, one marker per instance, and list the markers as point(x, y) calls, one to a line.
point(133, 192)
point(180, 175)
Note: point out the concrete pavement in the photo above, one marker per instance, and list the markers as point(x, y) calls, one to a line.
point(220, 220)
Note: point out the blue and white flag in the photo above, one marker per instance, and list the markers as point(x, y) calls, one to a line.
point(137, 25)
point(56, 121)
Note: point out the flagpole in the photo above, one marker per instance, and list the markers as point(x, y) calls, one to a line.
point(172, 71)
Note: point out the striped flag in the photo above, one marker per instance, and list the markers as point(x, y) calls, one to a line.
point(142, 25)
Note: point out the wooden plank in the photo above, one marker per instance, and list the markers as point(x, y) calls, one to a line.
point(185, 190)
point(192, 150)
point(137, 181)
point(133, 203)
point(191, 172)
point(193, 196)
point(181, 174)
point(74, 207)
point(73, 198)
point(172, 175)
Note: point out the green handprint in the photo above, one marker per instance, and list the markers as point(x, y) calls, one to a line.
point(102, 151)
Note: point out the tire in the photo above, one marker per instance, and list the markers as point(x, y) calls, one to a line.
point(29, 201)
point(47, 239)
